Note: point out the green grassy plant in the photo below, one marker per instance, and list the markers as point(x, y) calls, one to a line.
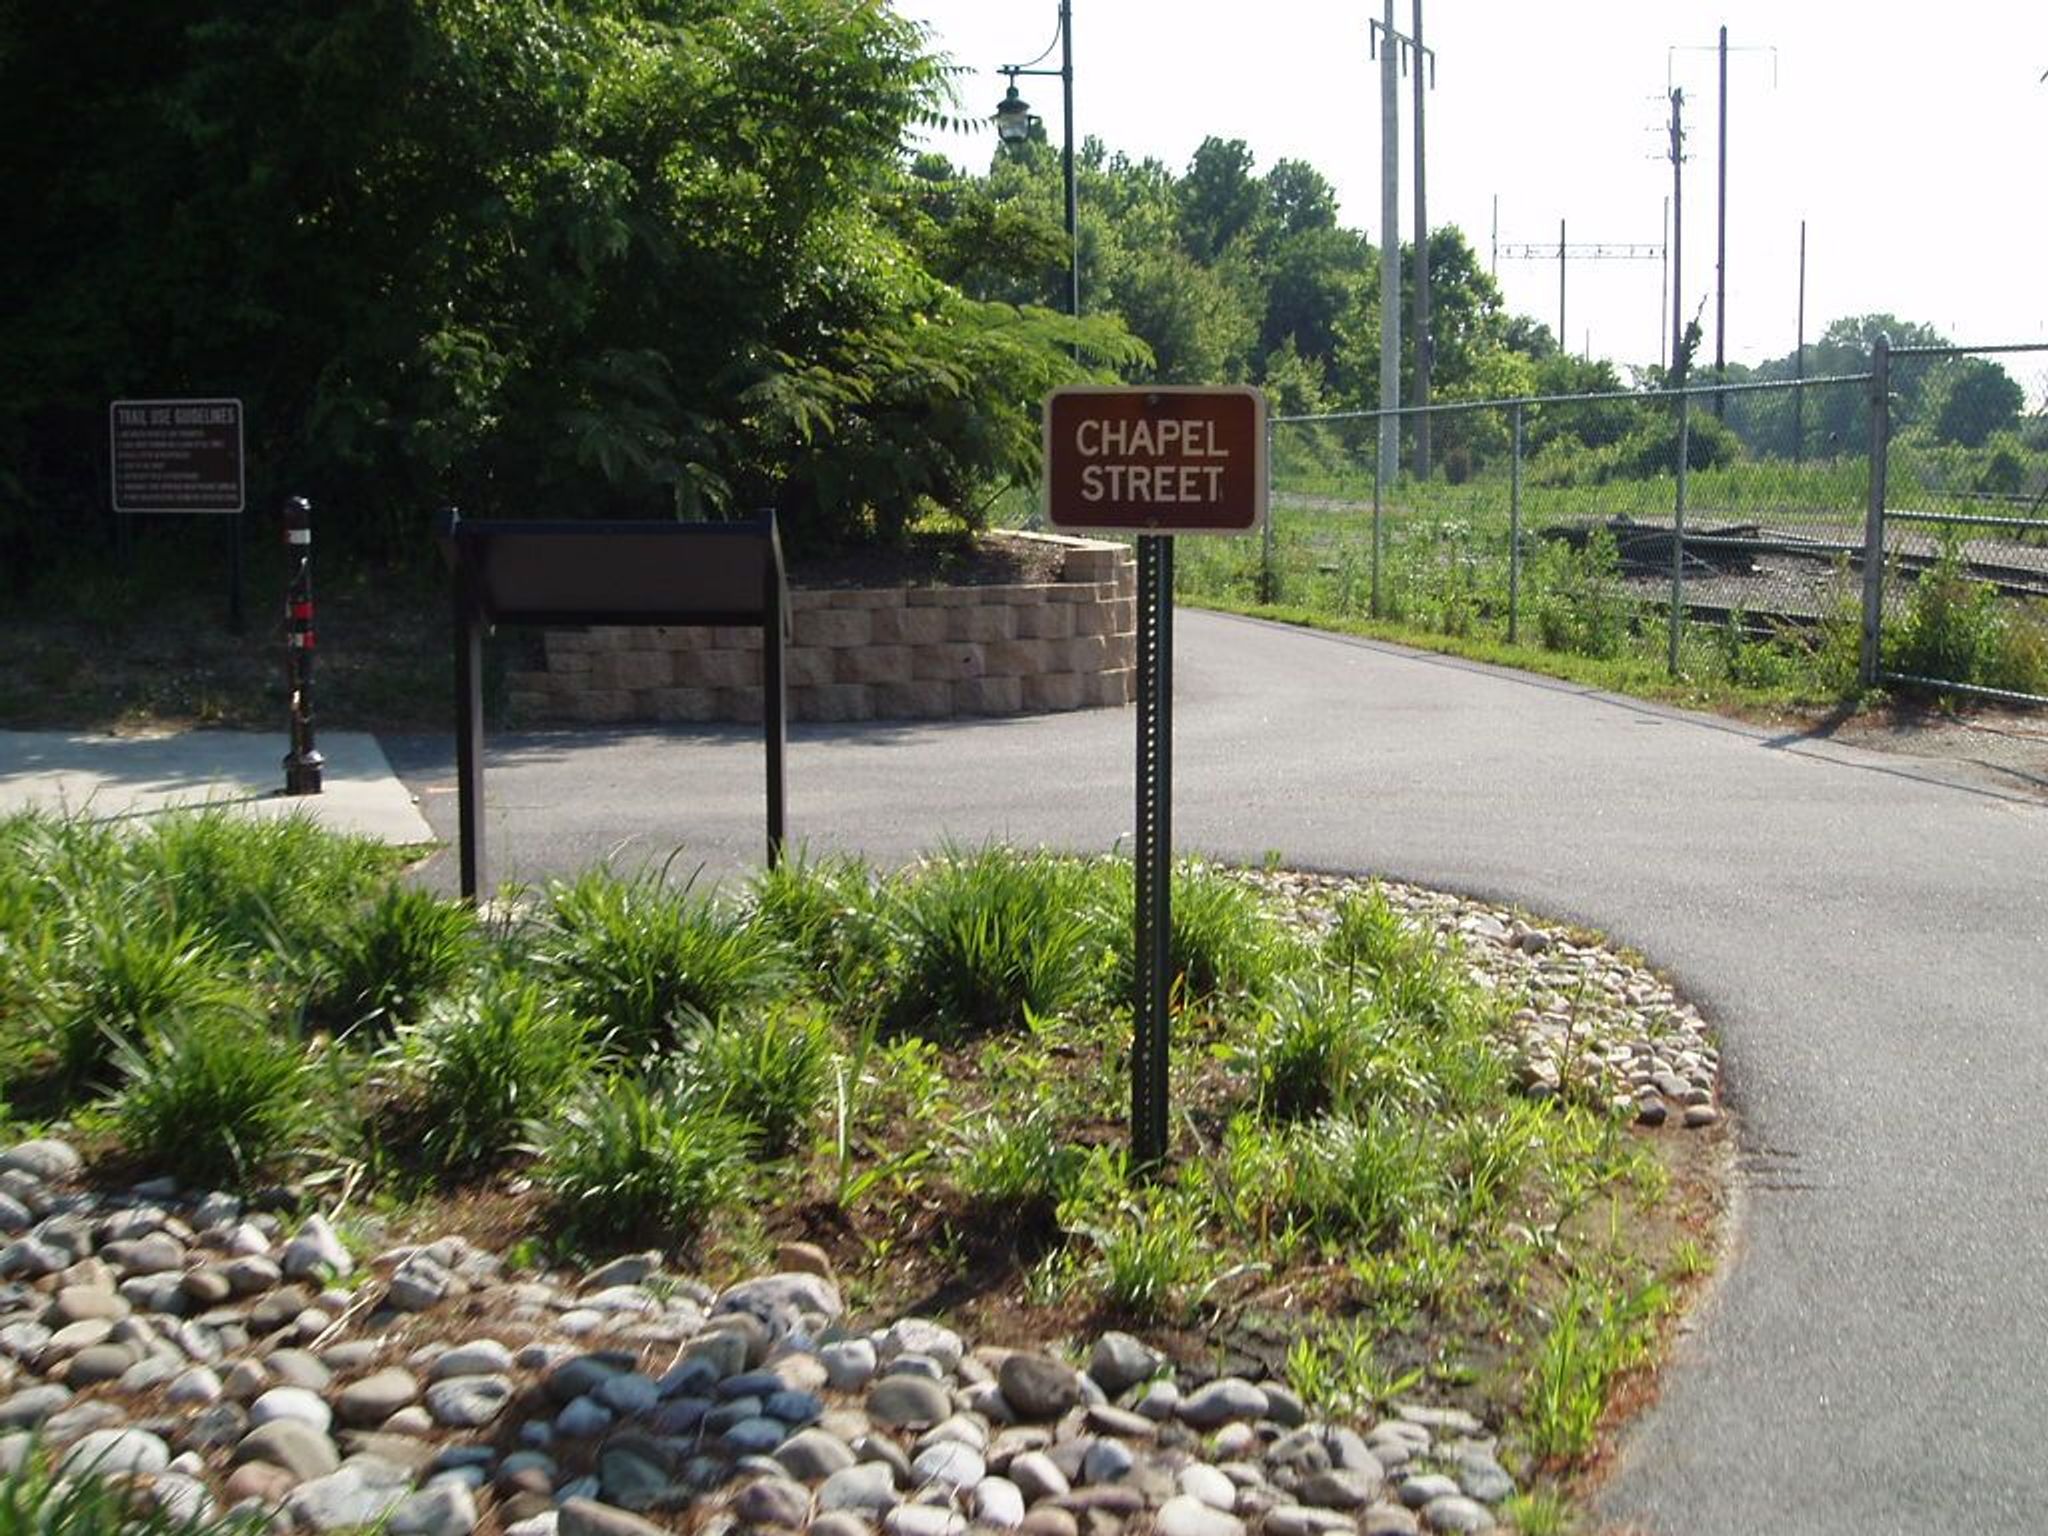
point(768, 1072)
point(987, 940)
point(1361, 1180)
point(490, 1061)
point(1222, 941)
point(1313, 1039)
point(1147, 1247)
point(824, 913)
point(118, 982)
point(394, 957)
point(285, 884)
point(649, 963)
point(1018, 1162)
point(1593, 1339)
point(628, 1157)
point(212, 1098)
point(42, 1496)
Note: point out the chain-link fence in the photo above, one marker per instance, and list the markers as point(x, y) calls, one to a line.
point(1717, 529)
point(1961, 600)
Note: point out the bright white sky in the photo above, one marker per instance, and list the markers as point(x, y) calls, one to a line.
point(1910, 139)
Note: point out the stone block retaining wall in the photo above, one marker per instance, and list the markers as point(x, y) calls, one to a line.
point(868, 653)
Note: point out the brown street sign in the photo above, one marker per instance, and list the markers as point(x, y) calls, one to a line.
point(1164, 459)
point(176, 455)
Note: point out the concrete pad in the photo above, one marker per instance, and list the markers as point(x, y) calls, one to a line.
point(110, 778)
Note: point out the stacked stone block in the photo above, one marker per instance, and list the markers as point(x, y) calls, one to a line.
point(883, 653)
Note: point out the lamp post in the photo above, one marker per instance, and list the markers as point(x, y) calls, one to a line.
point(1014, 123)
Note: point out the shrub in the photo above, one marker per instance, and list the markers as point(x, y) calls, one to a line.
point(212, 1098)
point(767, 1074)
point(394, 957)
point(628, 1158)
point(1951, 631)
point(647, 961)
point(985, 941)
point(489, 1062)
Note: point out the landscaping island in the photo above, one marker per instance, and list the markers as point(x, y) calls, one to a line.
point(806, 1206)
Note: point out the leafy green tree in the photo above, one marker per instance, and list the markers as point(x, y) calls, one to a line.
point(1976, 398)
point(1220, 200)
point(623, 256)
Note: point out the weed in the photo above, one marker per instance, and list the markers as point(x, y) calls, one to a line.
point(1017, 1163)
point(47, 1492)
point(1595, 1337)
point(1148, 1249)
point(1361, 1180)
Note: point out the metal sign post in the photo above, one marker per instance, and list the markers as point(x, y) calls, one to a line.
point(1158, 463)
point(623, 573)
point(1153, 852)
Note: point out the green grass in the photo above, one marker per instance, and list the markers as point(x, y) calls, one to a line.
point(987, 941)
point(44, 1497)
point(393, 958)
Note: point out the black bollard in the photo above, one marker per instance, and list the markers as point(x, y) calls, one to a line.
point(303, 763)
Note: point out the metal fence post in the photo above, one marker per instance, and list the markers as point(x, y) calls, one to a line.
point(1266, 584)
point(1678, 528)
point(1873, 523)
point(1379, 484)
point(1515, 532)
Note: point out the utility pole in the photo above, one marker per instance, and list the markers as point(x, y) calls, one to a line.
point(1385, 41)
point(1562, 344)
point(1425, 339)
point(1663, 283)
point(1677, 152)
point(1721, 236)
point(1799, 361)
point(1721, 249)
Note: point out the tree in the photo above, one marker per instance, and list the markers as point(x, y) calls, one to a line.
point(624, 256)
point(1220, 199)
point(1976, 399)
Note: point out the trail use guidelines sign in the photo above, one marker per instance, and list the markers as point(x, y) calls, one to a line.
point(176, 455)
point(1166, 459)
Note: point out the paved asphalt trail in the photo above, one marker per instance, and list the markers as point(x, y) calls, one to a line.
point(1866, 932)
